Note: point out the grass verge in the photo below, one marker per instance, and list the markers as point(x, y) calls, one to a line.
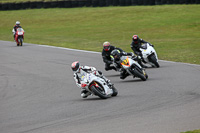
point(173, 29)
point(195, 131)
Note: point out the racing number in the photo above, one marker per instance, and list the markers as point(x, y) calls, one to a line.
point(125, 62)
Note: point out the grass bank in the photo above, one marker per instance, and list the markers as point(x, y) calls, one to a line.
point(173, 29)
point(195, 131)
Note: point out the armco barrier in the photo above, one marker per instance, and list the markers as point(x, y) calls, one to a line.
point(115, 2)
point(25, 5)
point(89, 3)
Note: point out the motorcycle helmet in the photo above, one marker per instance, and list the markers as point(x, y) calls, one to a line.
point(135, 39)
point(17, 23)
point(116, 54)
point(75, 66)
point(106, 46)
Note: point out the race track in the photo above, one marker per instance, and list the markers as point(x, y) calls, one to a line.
point(38, 95)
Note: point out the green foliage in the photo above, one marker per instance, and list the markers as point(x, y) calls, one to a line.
point(173, 29)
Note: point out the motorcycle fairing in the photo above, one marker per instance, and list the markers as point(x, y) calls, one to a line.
point(125, 62)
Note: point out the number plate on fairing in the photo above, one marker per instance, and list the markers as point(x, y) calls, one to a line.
point(126, 62)
point(20, 33)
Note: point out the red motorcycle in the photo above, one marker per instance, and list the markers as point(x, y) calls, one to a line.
point(19, 36)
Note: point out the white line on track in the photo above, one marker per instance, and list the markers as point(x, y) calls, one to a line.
point(71, 49)
point(95, 52)
point(100, 53)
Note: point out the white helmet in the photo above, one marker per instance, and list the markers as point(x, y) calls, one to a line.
point(17, 23)
point(106, 46)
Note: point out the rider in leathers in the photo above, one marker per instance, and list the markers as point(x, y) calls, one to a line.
point(136, 45)
point(116, 55)
point(80, 71)
point(107, 49)
point(17, 25)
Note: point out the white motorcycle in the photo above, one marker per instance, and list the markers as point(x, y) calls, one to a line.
point(149, 55)
point(133, 68)
point(98, 86)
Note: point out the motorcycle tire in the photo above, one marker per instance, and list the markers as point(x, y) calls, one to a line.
point(153, 59)
point(115, 92)
point(139, 73)
point(20, 42)
point(99, 92)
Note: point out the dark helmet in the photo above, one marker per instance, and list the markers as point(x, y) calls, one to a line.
point(106, 46)
point(116, 54)
point(135, 39)
point(75, 66)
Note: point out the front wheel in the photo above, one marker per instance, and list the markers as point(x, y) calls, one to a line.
point(153, 59)
point(99, 92)
point(115, 92)
point(140, 75)
point(20, 42)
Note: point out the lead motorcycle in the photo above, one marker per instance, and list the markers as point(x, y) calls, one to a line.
point(149, 55)
point(19, 36)
point(98, 86)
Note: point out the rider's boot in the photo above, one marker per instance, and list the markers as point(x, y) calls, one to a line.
point(142, 65)
point(123, 74)
point(85, 93)
point(110, 68)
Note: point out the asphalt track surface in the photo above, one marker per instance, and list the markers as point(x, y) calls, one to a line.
point(38, 95)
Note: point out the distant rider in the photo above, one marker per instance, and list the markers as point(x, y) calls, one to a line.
point(116, 54)
point(80, 71)
point(136, 45)
point(17, 25)
point(107, 49)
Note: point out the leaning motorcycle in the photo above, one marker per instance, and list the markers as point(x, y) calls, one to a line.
point(133, 68)
point(19, 36)
point(149, 55)
point(98, 86)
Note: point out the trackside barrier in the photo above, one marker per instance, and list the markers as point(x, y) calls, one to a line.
point(89, 3)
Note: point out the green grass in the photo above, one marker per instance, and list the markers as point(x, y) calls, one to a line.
point(195, 131)
point(173, 29)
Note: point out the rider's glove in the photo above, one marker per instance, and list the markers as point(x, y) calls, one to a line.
point(151, 44)
point(130, 54)
point(83, 85)
point(124, 53)
point(93, 69)
point(139, 57)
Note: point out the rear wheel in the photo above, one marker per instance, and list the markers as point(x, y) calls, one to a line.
point(99, 91)
point(153, 59)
